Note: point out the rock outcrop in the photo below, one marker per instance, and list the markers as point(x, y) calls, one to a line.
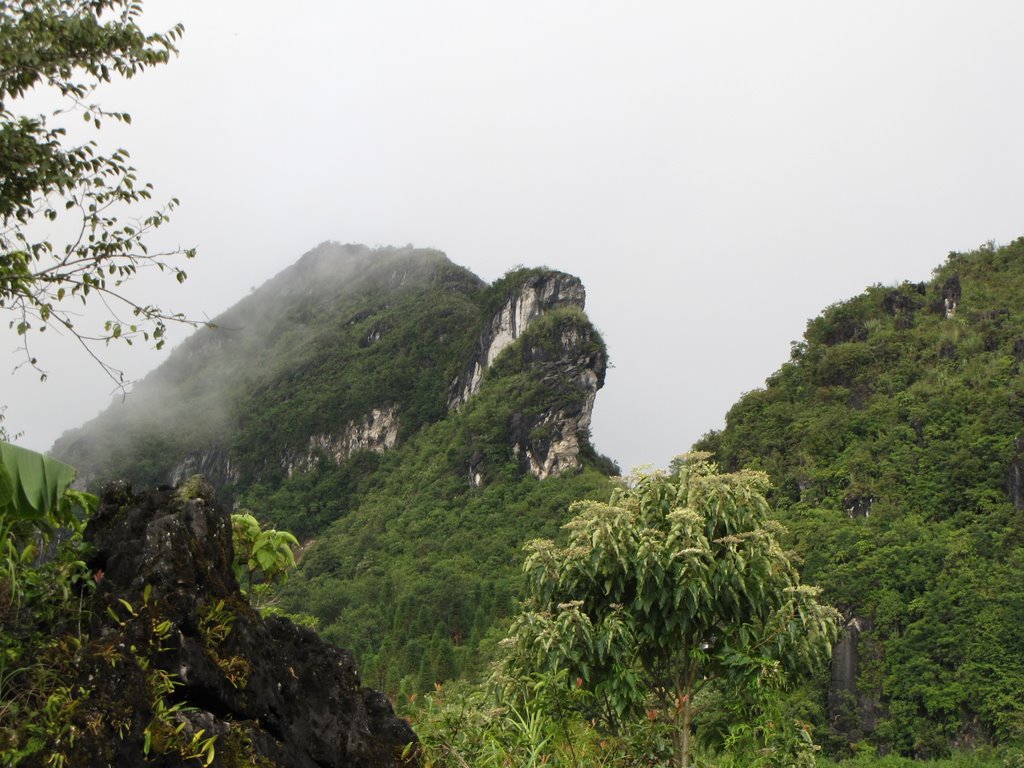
point(852, 712)
point(377, 431)
point(1015, 475)
point(213, 463)
point(175, 656)
point(572, 365)
point(567, 359)
point(536, 295)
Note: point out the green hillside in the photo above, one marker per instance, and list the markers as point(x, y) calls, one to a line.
point(343, 330)
point(353, 399)
point(415, 426)
point(895, 438)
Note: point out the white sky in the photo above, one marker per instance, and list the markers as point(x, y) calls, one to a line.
point(716, 173)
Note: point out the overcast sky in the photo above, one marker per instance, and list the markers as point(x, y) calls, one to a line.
point(717, 173)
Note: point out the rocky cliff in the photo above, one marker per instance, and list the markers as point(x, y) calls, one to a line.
point(534, 295)
point(176, 663)
point(570, 359)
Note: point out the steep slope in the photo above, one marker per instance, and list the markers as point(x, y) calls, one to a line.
point(344, 331)
point(895, 438)
point(426, 565)
point(414, 425)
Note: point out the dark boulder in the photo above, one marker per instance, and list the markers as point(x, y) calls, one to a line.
point(175, 655)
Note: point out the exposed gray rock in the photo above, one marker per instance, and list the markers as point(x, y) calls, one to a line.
point(852, 712)
point(213, 463)
point(951, 296)
point(377, 431)
point(549, 442)
point(536, 295)
point(1015, 476)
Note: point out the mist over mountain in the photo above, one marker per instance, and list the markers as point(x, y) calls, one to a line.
point(412, 424)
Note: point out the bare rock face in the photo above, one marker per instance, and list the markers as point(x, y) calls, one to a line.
point(1015, 476)
point(214, 463)
point(536, 295)
point(377, 431)
point(175, 655)
point(852, 712)
point(570, 362)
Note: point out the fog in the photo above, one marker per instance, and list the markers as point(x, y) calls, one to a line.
point(716, 173)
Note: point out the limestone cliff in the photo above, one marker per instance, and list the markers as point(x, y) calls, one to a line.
point(548, 439)
point(377, 432)
point(571, 361)
point(537, 294)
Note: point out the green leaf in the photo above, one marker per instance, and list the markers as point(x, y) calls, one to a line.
point(31, 484)
point(6, 487)
point(266, 559)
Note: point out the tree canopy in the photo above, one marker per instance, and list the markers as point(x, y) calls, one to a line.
point(67, 49)
point(679, 581)
point(893, 440)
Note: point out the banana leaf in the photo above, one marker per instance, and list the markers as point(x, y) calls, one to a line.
point(33, 486)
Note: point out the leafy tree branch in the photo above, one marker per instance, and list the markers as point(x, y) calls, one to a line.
point(69, 48)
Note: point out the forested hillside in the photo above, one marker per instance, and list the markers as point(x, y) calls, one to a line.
point(413, 425)
point(895, 439)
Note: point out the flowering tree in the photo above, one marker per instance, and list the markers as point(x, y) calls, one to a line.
point(678, 581)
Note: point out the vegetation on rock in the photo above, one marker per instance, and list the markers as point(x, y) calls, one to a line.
point(894, 439)
point(891, 440)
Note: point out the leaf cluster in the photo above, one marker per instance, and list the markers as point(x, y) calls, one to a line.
point(70, 49)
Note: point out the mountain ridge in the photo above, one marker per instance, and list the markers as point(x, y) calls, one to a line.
point(382, 397)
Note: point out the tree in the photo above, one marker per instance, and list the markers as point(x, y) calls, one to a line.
point(67, 48)
point(677, 582)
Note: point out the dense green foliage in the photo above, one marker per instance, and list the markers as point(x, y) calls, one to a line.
point(70, 48)
point(894, 439)
point(542, 721)
point(676, 586)
point(417, 548)
point(417, 577)
point(40, 614)
point(345, 330)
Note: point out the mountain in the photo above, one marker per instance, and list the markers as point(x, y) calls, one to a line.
point(412, 424)
point(895, 439)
